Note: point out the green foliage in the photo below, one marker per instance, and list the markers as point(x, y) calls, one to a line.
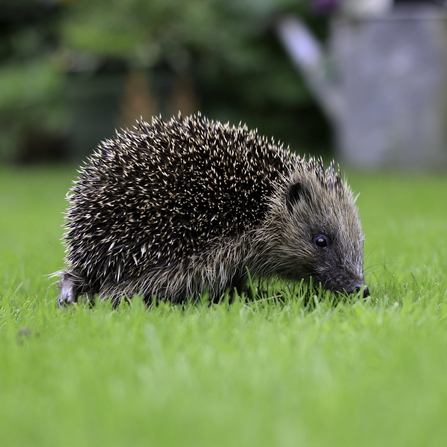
point(227, 47)
point(275, 371)
point(30, 101)
point(31, 81)
point(148, 32)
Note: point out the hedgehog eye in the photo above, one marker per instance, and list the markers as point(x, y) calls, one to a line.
point(321, 241)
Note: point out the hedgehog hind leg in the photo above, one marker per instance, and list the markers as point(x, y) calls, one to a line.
point(68, 290)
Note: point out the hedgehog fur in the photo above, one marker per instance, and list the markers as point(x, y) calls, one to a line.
point(175, 208)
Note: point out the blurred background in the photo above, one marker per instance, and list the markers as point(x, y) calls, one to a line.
point(363, 81)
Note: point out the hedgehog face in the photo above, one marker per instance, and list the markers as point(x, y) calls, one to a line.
point(334, 268)
point(319, 236)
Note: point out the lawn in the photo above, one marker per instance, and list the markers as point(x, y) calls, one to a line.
point(273, 372)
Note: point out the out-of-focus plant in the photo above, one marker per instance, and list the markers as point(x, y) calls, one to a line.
point(30, 80)
point(229, 47)
point(30, 104)
point(146, 32)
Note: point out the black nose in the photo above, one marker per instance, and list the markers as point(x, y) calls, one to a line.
point(357, 289)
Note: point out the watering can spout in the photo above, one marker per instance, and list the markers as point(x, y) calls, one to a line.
point(308, 57)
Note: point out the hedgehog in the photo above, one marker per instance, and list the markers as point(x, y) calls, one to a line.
point(172, 210)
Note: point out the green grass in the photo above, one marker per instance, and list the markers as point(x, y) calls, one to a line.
point(268, 373)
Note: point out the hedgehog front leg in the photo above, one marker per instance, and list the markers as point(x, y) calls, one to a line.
point(68, 290)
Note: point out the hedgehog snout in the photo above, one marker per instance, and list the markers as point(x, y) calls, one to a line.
point(358, 287)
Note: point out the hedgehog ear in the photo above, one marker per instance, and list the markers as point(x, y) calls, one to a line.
point(296, 192)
